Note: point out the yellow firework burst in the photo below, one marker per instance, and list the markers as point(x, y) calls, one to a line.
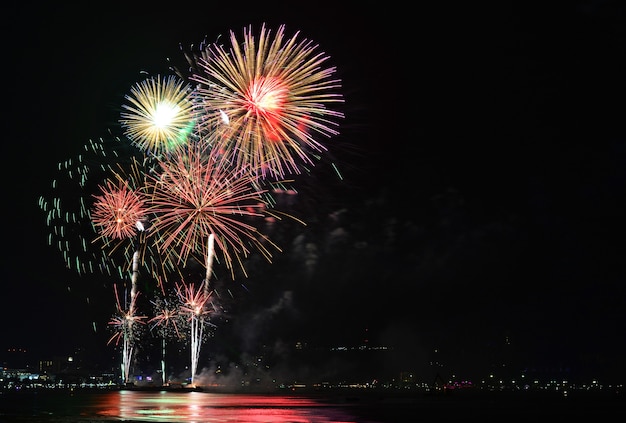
point(160, 115)
point(265, 103)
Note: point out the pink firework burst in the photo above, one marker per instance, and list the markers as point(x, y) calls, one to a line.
point(192, 196)
point(266, 102)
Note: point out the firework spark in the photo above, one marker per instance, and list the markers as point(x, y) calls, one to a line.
point(194, 196)
point(160, 117)
point(265, 103)
point(68, 208)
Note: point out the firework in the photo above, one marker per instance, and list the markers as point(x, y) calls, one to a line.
point(118, 212)
point(124, 324)
point(124, 321)
point(160, 116)
point(167, 320)
point(190, 190)
point(265, 102)
point(194, 308)
point(193, 197)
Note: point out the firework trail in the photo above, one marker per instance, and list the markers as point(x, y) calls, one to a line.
point(266, 100)
point(124, 324)
point(160, 116)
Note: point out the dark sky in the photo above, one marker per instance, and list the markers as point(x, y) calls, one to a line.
point(482, 206)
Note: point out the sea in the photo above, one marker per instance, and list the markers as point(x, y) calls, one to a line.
point(80, 406)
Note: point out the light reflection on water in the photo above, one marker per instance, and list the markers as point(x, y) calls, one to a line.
point(197, 407)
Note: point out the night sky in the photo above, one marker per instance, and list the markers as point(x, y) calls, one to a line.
point(482, 204)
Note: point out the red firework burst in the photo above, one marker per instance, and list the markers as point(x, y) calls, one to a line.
point(117, 210)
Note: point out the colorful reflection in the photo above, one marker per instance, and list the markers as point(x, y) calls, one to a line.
point(196, 407)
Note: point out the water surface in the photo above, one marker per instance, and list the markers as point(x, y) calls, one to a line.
point(80, 406)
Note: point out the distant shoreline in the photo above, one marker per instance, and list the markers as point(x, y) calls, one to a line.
point(469, 393)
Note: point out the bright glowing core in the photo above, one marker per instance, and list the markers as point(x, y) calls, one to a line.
point(164, 114)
